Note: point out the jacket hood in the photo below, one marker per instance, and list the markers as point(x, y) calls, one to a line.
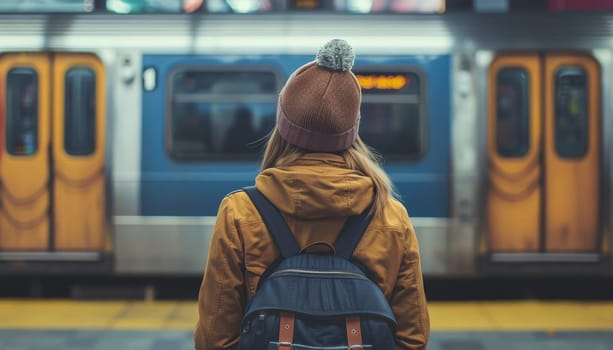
point(317, 185)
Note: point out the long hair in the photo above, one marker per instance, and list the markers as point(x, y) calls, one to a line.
point(357, 157)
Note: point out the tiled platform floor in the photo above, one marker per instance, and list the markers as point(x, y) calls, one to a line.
point(528, 325)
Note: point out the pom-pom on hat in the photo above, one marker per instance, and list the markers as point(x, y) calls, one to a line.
point(319, 106)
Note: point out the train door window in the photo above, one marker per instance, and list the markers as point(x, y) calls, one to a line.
point(512, 112)
point(22, 111)
point(220, 114)
point(572, 154)
point(571, 112)
point(80, 111)
point(392, 113)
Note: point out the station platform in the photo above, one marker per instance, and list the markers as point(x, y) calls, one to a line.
point(167, 325)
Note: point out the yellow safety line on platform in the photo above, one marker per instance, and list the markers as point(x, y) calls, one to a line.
point(445, 316)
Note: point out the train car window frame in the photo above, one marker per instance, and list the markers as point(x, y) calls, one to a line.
point(422, 102)
point(91, 141)
point(561, 151)
point(9, 115)
point(525, 110)
point(217, 68)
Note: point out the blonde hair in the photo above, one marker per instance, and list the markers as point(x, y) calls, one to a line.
point(358, 157)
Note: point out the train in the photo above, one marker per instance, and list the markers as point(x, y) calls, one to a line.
point(121, 134)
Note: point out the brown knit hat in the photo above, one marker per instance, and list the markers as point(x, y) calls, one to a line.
point(319, 106)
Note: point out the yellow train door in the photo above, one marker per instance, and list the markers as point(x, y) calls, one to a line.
point(79, 152)
point(52, 169)
point(572, 153)
point(543, 159)
point(24, 170)
point(514, 147)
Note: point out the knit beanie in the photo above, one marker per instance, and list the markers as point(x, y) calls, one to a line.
point(319, 106)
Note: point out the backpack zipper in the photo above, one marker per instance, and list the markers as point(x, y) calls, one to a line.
point(311, 272)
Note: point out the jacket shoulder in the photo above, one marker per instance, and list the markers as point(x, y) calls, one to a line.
point(240, 204)
point(235, 195)
point(395, 214)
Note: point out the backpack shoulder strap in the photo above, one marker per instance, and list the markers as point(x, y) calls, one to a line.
point(351, 234)
point(277, 227)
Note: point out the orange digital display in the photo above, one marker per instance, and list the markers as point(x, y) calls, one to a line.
point(382, 81)
point(307, 4)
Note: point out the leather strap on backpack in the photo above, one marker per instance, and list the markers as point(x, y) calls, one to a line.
point(354, 333)
point(286, 331)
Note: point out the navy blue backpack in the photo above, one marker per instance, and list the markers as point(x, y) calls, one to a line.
point(309, 301)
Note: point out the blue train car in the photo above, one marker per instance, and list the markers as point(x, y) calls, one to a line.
point(405, 117)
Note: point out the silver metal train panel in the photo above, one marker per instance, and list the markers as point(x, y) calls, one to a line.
point(464, 161)
point(435, 245)
point(162, 245)
point(482, 62)
point(127, 117)
point(605, 59)
point(300, 33)
point(224, 34)
point(179, 245)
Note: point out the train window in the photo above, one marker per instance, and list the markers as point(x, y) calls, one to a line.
point(22, 111)
point(243, 6)
point(47, 6)
point(80, 112)
point(393, 6)
point(221, 114)
point(571, 119)
point(512, 112)
point(392, 113)
point(153, 6)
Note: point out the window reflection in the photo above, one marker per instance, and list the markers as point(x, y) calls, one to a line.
point(221, 115)
point(240, 6)
point(80, 112)
point(22, 111)
point(394, 130)
point(571, 113)
point(46, 5)
point(353, 6)
point(512, 112)
point(398, 6)
point(241, 129)
point(392, 120)
point(138, 6)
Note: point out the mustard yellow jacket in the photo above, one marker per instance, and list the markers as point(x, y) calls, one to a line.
point(315, 195)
